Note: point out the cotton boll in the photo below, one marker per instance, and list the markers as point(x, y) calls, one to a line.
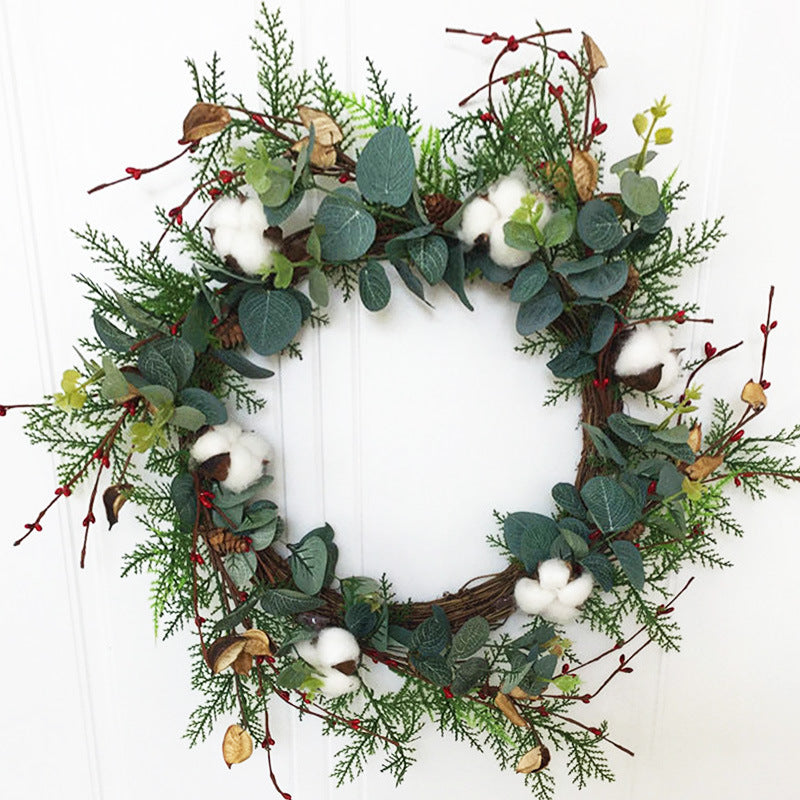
point(335, 684)
point(500, 252)
point(251, 215)
point(224, 213)
point(642, 350)
point(560, 613)
point(256, 445)
point(252, 252)
point(530, 597)
point(670, 371)
point(307, 650)
point(225, 240)
point(662, 334)
point(337, 645)
point(554, 574)
point(230, 430)
point(210, 444)
point(577, 591)
point(506, 194)
point(547, 212)
point(244, 471)
point(477, 220)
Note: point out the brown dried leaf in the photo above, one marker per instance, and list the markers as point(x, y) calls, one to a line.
point(237, 745)
point(595, 55)
point(225, 651)
point(557, 176)
point(645, 381)
point(326, 131)
point(506, 705)
point(703, 467)
point(257, 643)
point(537, 758)
point(754, 395)
point(323, 156)
point(518, 694)
point(696, 437)
point(113, 499)
point(216, 468)
point(204, 119)
point(243, 663)
point(585, 172)
point(346, 667)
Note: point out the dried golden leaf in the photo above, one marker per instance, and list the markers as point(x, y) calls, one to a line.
point(323, 156)
point(346, 667)
point(326, 131)
point(204, 119)
point(696, 437)
point(237, 745)
point(243, 663)
point(257, 643)
point(585, 173)
point(225, 651)
point(754, 395)
point(113, 499)
point(535, 759)
point(595, 55)
point(557, 176)
point(703, 467)
point(518, 694)
point(505, 704)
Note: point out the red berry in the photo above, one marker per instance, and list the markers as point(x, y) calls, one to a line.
point(37, 527)
point(134, 173)
point(179, 219)
point(563, 54)
point(259, 120)
point(763, 328)
point(88, 519)
point(286, 796)
point(59, 491)
point(487, 116)
point(596, 731)
point(774, 324)
point(736, 436)
point(174, 212)
point(242, 598)
point(543, 711)
point(680, 317)
point(586, 698)
point(174, 329)
point(214, 192)
point(651, 489)
point(225, 175)
point(344, 178)
point(556, 91)
point(355, 724)
point(512, 44)
point(565, 669)
point(736, 481)
point(487, 39)
point(215, 320)
point(3, 411)
point(765, 384)
point(595, 535)
point(448, 693)
point(605, 382)
point(105, 462)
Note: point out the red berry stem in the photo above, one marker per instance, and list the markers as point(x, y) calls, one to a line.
point(5, 409)
point(766, 329)
point(134, 173)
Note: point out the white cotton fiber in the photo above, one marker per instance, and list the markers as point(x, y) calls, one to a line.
point(477, 219)
point(500, 252)
point(554, 574)
point(642, 350)
point(547, 211)
point(224, 213)
point(577, 591)
point(336, 645)
point(662, 333)
point(560, 613)
point(251, 251)
point(259, 447)
point(225, 240)
point(210, 444)
point(506, 194)
point(307, 650)
point(244, 471)
point(530, 597)
point(251, 216)
point(336, 684)
point(230, 430)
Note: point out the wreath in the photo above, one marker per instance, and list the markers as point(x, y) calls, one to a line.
point(516, 192)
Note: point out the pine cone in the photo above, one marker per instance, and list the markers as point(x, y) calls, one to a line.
point(439, 207)
point(229, 332)
point(224, 542)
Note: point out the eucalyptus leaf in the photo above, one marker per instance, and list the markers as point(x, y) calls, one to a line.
point(111, 336)
point(598, 225)
point(558, 229)
point(114, 385)
point(455, 273)
point(601, 570)
point(604, 446)
point(630, 559)
point(630, 162)
point(157, 395)
point(347, 228)
point(360, 620)
point(611, 507)
point(156, 369)
point(429, 638)
point(241, 567)
point(184, 498)
point(373, 286)
point(240, 364)
point(212, 408)
point(542, 309)
point(602, 330)
point(469, 674)
point(639, 193)
point(188, 418)
point(602, 281)
point(520, 236)
point(434, 668)
point(627, 430)
point(179, 355)
point(284, 602)
point(411, 281)
point(469, 638)
point(572, 362)
point(318, 287)
point(385, 170)
point(567, 497)
point(430, 257)
point(270, 319)
point(308, 563)
point(528, 282)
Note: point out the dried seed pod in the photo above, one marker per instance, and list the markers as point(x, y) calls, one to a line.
point(237, 745)
point(326, 131)
point(537, 758)
point(346, 667)
point(113, 499)
point(595, 55)
point(645, 381)
point(585, 173)
point(204, 119)
point(703, 467)
point(323, 156)
point(506, 705)
point(215, 468)
point(225, 651)
point(696, 437)
point(243, 663)
point(257, 643)
point(754, 395)
point(558, 177)
point(518, 694)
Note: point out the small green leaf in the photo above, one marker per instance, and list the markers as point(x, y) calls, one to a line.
point(184, 498)
point(663, 136)
point(308, 562)
point(434, 668)
point(611, 507)
point(469, 638)
point(373, 286)
point(469, 674)
point(188, 418)
point(179, 355)
point(159, 396)
point(347, 228)
point(284, 602)
point(114, 385)
point(430, 257)
point(284, 271)
point(237, 616)
point(630, 162)
point(528, 282)
point(270, 319)
point(538, 312)
point(520, 236)
point(576, 543)
point(240, 364)
point(558, 229)
point(318, 287)
point(567, 497)
point(598, 225)
point(630, 559)
point(208, 404)
point(295, 674)
point(639, 193)
point(601, 569)
point(640, 124)
point(385, 170)
point(155, 368)
point(111, 336)
point(241, 567)
point(604, 446)
point(456, 272)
